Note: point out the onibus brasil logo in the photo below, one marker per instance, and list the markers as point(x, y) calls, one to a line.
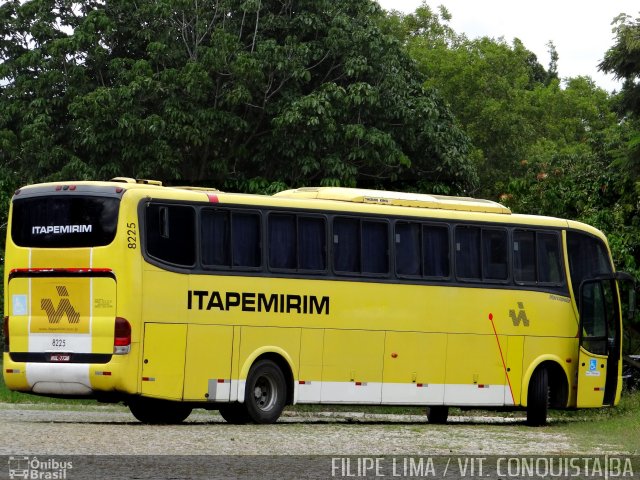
point(34, 468)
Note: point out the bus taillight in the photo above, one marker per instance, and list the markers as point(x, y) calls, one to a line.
point(122, 337)
point(5, 333)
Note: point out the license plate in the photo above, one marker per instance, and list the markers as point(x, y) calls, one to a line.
point(60, 357)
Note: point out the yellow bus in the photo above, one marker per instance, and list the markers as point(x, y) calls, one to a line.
point(170, 299)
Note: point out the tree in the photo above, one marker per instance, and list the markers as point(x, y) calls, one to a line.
point(222, 92)
point(489, 84)
point(542, 146)
point(574, 171)
point(623, 60)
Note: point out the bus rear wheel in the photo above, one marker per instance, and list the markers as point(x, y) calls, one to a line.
point(265, 392)
point(437, 415)
point(158, 412)
point(538, 398)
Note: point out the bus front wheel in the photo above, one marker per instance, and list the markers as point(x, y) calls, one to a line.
point(265, 392)
point(538, 398)
point(154, 411)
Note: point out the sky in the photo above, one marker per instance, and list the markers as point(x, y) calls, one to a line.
point(581, 30)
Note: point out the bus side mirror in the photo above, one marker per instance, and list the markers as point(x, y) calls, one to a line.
point(633, 299)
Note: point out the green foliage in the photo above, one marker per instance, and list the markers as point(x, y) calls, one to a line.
point(8, 184)
point(490, 85)
point(623, 60)
point(259, 95)
point(222, 92)
point(541, 147)
point(579, 186)
point(245, 95)
point(574, 171)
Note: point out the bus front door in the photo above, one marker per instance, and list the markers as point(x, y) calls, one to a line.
point(600, 343)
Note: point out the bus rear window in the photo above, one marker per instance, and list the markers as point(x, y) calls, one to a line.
point(64, 221)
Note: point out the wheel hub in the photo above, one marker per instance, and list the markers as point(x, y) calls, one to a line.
point(263, 393)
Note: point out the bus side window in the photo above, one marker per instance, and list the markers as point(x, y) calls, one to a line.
point(524, 256)
point(297, 242)
point(435, 251)
point(408, 254)
point(537, 257)
point(375, 247)
point(245, 240)
point(494, 258)
point(215, 237)
point(312, 243)
point(549, 261)
point(346, 244)
point(170, 233)
point(283, 250)
point(468, 253)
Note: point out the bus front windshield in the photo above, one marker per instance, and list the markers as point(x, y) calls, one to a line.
point(588, 259)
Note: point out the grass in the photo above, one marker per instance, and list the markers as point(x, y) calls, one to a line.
point(607, 426)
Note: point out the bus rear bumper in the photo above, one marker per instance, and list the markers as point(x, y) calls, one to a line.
point(60, 379)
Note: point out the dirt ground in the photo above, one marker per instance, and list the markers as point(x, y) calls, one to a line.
point(91, 442)
point(112, 431)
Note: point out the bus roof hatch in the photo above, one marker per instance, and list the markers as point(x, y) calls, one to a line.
point(400, 199)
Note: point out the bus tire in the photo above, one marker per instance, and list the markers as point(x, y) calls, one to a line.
point(538, 398)
point(158, 412)
point(265, 392)
point(437, 415)
point(234, 413)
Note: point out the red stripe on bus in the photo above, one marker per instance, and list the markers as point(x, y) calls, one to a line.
point(504, 365)
point(64, 270)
